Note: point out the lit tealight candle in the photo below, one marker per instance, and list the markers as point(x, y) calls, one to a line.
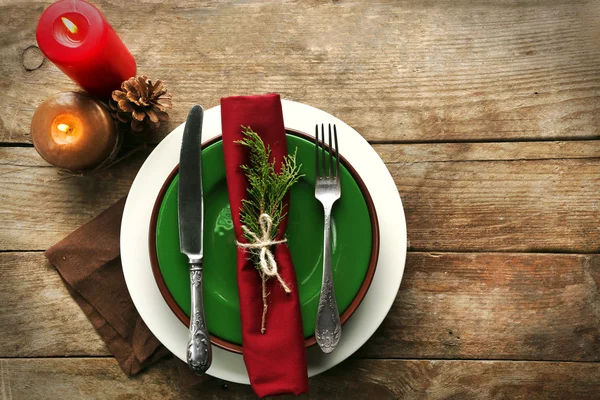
point(73, 131)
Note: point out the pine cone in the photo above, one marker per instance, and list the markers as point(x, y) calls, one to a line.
point(141, 104)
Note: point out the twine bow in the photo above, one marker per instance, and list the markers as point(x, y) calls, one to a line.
point(267, 263)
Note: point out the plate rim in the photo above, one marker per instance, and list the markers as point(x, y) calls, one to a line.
point(310, 341)
point(378, 300)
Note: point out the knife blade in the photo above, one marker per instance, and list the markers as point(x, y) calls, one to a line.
point(190, 209)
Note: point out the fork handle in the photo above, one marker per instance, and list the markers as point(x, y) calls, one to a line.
point(328, 327)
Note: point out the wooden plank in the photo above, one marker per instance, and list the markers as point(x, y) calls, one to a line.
point(37, 314)
point(356, 379)
point(17, 157)
point(499, 151)
point(521, 205)
point(478, 199)
point(463, 306)
point(396, 71)
point(494, 306)
point(43, 204)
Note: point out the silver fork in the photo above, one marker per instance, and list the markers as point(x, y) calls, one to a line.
point(327, 190)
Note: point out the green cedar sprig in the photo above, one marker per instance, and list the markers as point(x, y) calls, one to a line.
point(267, 189)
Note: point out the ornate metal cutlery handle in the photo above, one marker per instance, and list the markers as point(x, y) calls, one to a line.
point(328, 327)
point(199, 353)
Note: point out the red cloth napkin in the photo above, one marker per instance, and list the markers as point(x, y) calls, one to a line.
point(275, 360)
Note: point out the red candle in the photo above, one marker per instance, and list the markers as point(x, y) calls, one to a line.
point(73, 131)
point(74, 35)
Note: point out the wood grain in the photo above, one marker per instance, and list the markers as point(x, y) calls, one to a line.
point(42, 204)
point(38, 317)
point(457, 197)
point(494, 306)
point(396, 71)
point(487, 115)
point(521, 205)
point(498, 151)
point(463, 306)
point(356, 379)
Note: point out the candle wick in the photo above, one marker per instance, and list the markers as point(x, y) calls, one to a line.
point(69, 25)
point(65, 128)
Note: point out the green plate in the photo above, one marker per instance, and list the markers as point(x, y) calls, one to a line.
point(352, 242)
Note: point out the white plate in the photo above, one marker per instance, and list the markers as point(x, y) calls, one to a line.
point(155, 312)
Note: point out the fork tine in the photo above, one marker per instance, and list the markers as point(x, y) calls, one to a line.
point(324, 170)
point(337, 153)
point(330, 174)
point(317, 170)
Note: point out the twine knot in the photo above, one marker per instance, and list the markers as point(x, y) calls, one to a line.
point(267, 263)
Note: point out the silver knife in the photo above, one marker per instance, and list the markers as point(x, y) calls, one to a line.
point(191, 214)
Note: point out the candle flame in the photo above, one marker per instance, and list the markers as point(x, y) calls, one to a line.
point(69, 25)
point(63, 128)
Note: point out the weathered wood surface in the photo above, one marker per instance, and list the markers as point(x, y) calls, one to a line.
point(42, 204)
point(395, 70)
point(457, 306)
point(38, 317)
point(487, 115)
point(497, 151)
point(457, 197)
point(494, 306)
point(356, 379)
point(541, 205)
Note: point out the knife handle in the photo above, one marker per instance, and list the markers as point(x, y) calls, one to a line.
point(199, 353)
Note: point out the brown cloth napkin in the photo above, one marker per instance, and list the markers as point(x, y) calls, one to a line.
point(89, 262)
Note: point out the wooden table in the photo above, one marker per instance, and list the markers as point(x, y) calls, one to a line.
point(487, 114)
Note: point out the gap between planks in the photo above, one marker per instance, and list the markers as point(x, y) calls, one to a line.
point(425, 141)
point(431, 252)
point(352, 357)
